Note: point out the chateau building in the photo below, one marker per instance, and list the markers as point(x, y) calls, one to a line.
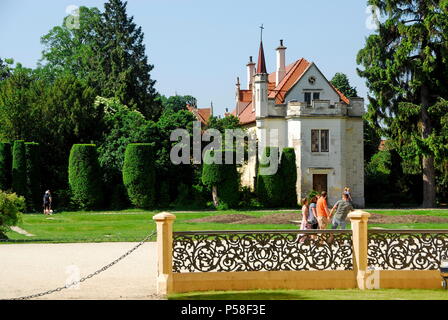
point(310, 115)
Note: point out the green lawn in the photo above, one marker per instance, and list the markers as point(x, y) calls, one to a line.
point(127, 225)
point(350, 294)
point(134, 225)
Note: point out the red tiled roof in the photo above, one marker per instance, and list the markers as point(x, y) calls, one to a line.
point(246, 95)
point(294, 73)
point(202, 114)
point(247, 116)
point(341, 95)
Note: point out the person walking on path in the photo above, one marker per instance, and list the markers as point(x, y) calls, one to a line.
point(47, 202)
point(305, 211)
point(323, 214)
point(342, 208)
point(312, 214)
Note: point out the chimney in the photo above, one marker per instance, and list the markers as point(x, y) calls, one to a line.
point(281, 68)
point(211, 109)
point(250, 73)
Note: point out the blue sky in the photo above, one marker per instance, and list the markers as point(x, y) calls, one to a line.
point(199, 47)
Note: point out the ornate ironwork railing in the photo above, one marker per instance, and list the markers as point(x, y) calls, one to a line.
point(407, 249)
point(279, 250)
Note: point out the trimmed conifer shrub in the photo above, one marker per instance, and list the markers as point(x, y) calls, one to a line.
point(223, 179)
point(5, 166)
point(139, 174)
point(228, 188)
point(33, 177)
point(288, 174)
point(84, 177)
point(269, 186)
point(19, 168)
point(211, 175)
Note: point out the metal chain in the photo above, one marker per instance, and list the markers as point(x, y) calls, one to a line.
point(88, 276)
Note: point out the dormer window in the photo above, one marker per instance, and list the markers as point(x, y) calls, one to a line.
point(310, 96)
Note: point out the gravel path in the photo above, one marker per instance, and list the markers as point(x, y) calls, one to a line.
point(27, 269)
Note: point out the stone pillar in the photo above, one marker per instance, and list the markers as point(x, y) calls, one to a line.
point(359, 224)
point(164, 223)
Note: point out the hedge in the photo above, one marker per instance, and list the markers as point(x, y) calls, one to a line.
point(19, 168)
point(228, 189)
point(269, 187)
point(33, 177)
point(84, 176)
point(211, 172)
point(224, 177)
point(5, 166)
point(139, 174)
point(288, 173)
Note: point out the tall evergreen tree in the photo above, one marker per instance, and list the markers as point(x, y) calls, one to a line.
point(121, 67)
point(405, 64)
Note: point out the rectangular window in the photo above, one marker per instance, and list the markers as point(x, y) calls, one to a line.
point(316, 95)
point(308, 98)
point(314, 140)
point(324, 140)
point(320, 140)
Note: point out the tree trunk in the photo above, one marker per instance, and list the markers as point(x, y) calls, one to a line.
point(429, 175)
point(215, 196)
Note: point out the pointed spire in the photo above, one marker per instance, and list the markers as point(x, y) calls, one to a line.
point(261, 65)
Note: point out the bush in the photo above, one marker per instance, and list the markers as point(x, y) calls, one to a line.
point(222, 179)
point(139, 174)
point(269, 187)
point(288, 174)
point(33, 181)
point(11, 206)
point(84, 177)
point(211, 172)
point(228, 188)
point(5, 166)
point(19, 168)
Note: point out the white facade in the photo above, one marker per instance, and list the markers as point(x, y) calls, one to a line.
point(337, 158)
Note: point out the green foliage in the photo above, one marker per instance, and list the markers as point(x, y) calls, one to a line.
point(84, 177)
point(33, 177)
point(372, 141)
point(269, 187)
point(221, 124)
point(139, 174)
point(212, 174)
point(11, 206)
point(122, 127)
point(5, 68)
point(288, 175)
point(228, 188)
point(68, 50)
point(5, 166)
point(54, 114)
point(120, 66)
point(177, 102)
point(19, 114)
point(341, 82)
point(19, 184)
point(405, 67)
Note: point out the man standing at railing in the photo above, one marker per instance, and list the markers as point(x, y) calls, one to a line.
point(323, 214)
point(342, 208)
